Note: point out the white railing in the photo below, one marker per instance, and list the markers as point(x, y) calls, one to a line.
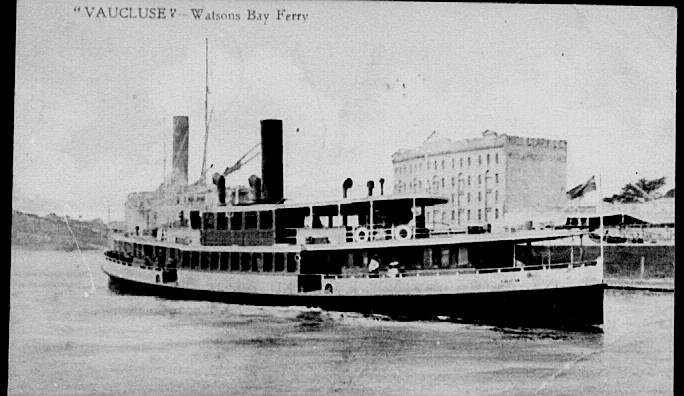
point(365, 234)
point(131, 264)
point(466, 271)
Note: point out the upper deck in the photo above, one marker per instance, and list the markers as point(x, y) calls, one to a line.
point(353, 223)
point(300, 223)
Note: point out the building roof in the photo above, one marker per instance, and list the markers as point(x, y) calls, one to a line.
point(436, 144)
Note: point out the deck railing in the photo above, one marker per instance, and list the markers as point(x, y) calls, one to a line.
point(367, 233)
point(410, 273)
point(467, 271)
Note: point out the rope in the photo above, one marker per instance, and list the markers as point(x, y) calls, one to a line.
point(90, 274)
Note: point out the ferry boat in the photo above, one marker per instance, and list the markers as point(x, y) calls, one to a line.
point(372, 254)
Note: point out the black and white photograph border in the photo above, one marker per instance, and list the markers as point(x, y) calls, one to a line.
point(269, 197)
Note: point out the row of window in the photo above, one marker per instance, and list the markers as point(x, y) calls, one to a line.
point(417, 185)
point(413, 188)
point(418, 166)
point(213, 261)
point(479, 197)
point(456, 217)
point(262, 220)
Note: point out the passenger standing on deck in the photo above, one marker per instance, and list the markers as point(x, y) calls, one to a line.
point(374, 267)
point(393, 270)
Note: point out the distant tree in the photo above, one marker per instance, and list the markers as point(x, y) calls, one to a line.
point(642, 190)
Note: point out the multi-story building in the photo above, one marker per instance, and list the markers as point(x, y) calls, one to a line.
point(486, 179)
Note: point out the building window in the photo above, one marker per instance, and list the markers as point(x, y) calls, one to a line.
point(453, 163)
point(496, 158)
point(479, 196)
point(453, 198)
point(460, 163)
point(435, 164)
point(487, 159)
point(420, 185)
point(469, 162)
point(453, 215)
point(442, 164)
point(469, 180)
point(428, 165)
point(479, 180)
point(469, 197)
point(453, 181)
point(443, 217)
point(496, 213)
point(496, 177)
point(479, 159)
point(496, 196)
point(442, 182)
point(479, 214)
point(468, 214)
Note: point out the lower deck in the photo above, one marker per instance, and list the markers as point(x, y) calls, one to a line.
point(416, 282)
point(575, 306)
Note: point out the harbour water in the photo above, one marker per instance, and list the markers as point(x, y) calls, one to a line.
point(66, 338)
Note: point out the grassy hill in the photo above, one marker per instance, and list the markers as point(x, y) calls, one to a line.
point(31, 231)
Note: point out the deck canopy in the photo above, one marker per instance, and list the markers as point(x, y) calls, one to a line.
point(609, 220)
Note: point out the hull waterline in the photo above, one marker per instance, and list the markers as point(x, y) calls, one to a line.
point(569, 307)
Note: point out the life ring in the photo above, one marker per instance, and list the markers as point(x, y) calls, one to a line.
point(402, 233)
point(361, 234)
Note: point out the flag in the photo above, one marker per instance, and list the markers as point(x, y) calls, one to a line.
point(579, 190)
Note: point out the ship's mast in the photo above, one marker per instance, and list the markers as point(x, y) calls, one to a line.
point(206, 105)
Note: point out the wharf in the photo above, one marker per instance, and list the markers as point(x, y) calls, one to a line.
point(648, 284)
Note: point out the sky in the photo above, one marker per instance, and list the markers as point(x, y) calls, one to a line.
point(353, 83)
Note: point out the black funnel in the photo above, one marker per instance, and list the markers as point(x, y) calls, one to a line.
point(272, 160)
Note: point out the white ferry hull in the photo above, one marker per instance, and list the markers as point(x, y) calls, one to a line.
point(553, 296)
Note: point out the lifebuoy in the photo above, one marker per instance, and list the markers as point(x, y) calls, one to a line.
point(361, 234)
point(402, 232)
